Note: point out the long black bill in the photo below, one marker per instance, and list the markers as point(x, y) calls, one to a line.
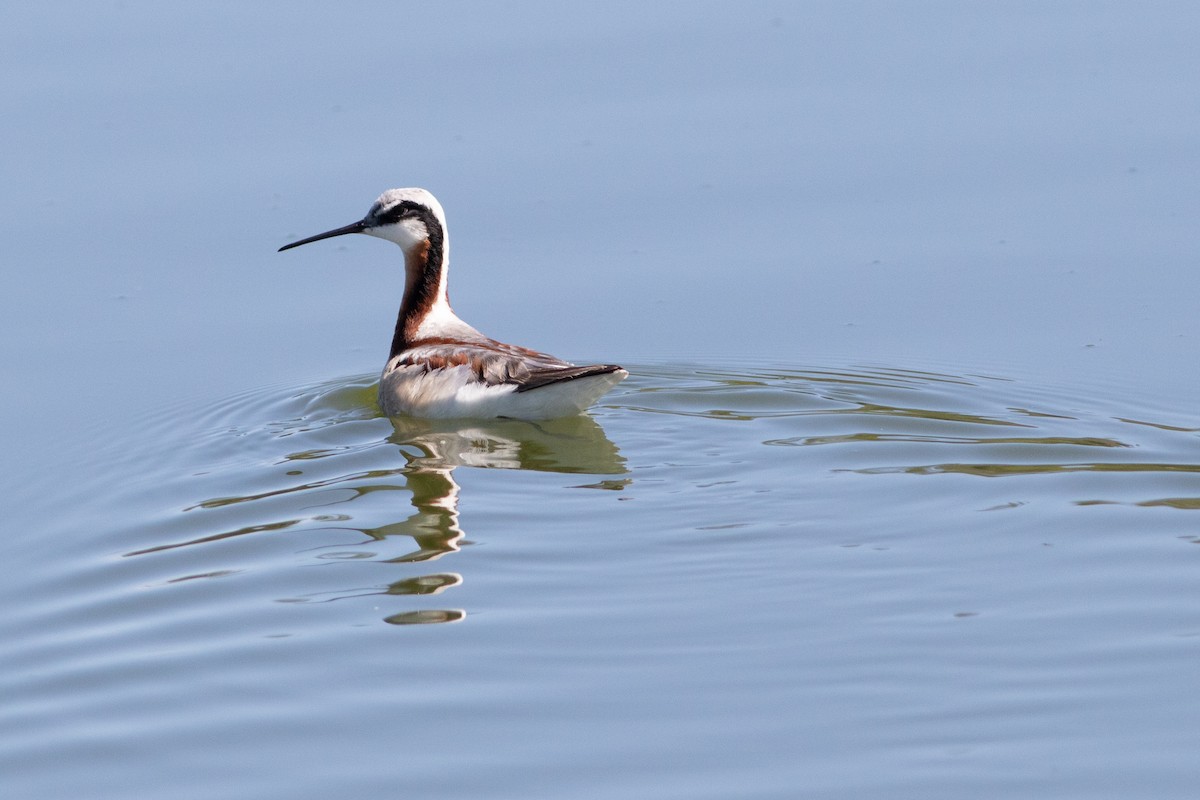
point(353, 227)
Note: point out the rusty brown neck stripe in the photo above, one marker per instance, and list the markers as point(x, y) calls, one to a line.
point(423, 276)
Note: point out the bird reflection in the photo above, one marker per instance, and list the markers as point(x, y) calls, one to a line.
point(434, 449)
point(333, 469)
point(434, 525)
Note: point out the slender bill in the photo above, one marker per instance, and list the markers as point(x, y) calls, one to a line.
point(353, 227)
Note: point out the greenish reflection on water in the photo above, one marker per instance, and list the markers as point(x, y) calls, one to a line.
point(429, 454)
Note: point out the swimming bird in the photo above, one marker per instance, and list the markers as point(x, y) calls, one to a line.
point(441, 367)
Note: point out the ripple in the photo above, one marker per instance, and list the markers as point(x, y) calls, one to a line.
point(283, 534)
point(315, 475)
point(1003, 470)
point(247, 488)
point(881, 421)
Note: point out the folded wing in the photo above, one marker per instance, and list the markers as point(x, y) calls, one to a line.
point(497, 364)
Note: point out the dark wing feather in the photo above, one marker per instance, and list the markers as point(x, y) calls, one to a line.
point(539, 378)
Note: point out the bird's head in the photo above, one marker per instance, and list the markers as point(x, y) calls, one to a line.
point(411, 218)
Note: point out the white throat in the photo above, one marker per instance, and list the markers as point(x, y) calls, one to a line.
point(413, 236)
point(410, 234)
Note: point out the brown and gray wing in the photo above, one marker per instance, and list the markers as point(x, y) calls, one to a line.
point(496, 363)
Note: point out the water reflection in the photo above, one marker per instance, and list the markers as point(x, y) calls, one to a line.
point(435, 449)
point(321, 476)
point(353, 487)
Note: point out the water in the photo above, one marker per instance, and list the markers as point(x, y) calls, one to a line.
point(897, 501)
point(748, 579)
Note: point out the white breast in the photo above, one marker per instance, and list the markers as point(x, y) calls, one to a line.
point(456, 392)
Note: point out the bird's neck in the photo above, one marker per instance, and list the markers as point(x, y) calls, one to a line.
point(425, 306)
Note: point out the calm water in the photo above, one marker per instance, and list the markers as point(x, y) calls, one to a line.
point(727, 582)
point(899, 499)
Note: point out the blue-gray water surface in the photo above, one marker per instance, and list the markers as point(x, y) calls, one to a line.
point(735, 581)
point(898, 501)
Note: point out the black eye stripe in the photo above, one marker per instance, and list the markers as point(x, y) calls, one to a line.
point(407, 209)
point(402, 210)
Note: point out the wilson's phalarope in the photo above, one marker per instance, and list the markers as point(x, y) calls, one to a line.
point(440, 366)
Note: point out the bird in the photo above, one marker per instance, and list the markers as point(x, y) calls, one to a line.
point(439, 367)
